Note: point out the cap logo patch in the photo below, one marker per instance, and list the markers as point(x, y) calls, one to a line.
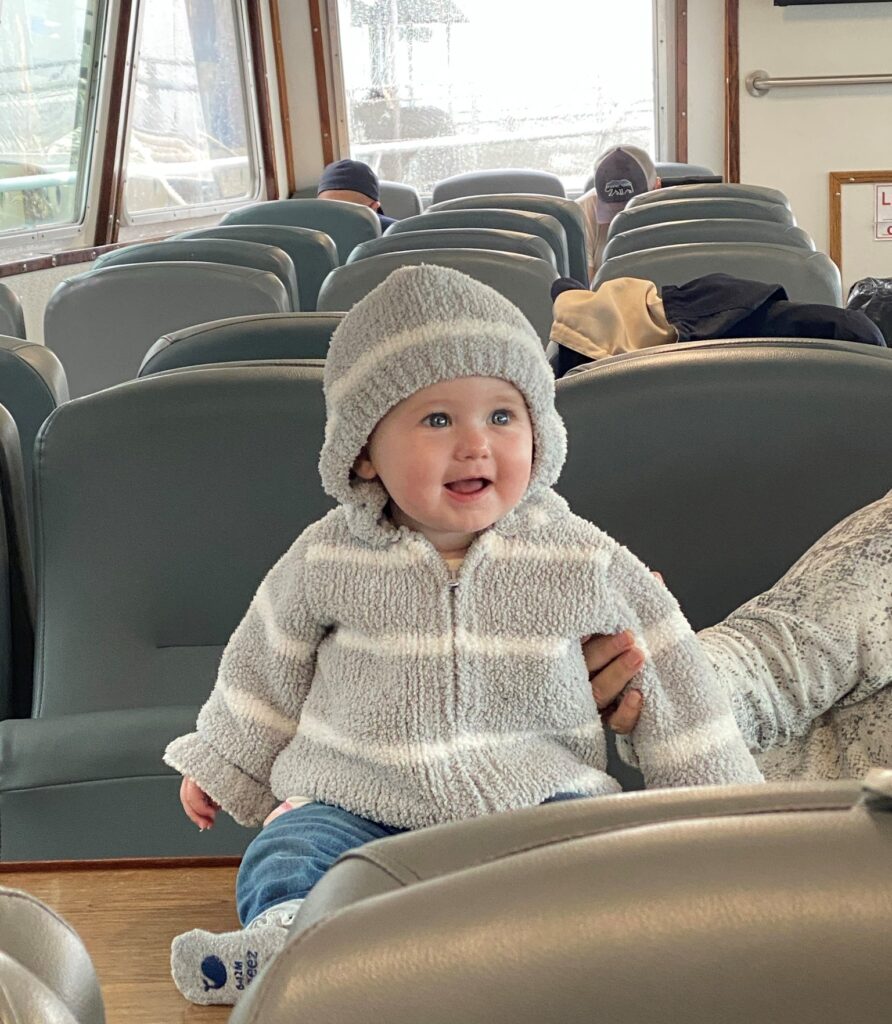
point(619, 188)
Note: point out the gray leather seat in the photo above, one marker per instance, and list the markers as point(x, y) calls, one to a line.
point(806, 276)
point(12, 317)
point(525, 221)
point(101, 323)
point(523, 280)
point(348, 224)
point(481, 183)
point(564, 210)
point(399, 200)
point(209, 250)
point(162, 503)
point(458, 238)
point(46, 974)
point(272, 336)
point(719, 229)
point(720, 462)
point(715, 190)
point(708, 904)
point(313, 253)
point(697, 209)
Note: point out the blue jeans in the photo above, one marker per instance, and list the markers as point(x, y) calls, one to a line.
point(289, 856)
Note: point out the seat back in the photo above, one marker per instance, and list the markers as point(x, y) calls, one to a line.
point(734, 901)
point(100, 324)
point(806, 276)
point(161, 504)
point(671, 174)
point(698, 209)
point(52, 975)
point(348, 224)
point(12, 317)
point(524, 221)
point(719, 463)
point(209, 250)
point(720, 229)
point(313, 253)
point(564, 210)
point(458, 238)
point(523, 280)
point(713, 190)
point(399, 200)
point(272, 336)
point(481, 183)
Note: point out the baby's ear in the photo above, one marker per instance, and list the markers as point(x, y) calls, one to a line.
point(363, 467)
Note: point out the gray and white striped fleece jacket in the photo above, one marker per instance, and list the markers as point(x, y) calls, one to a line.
point(363, 675)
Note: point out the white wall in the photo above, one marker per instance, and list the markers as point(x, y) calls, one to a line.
point(706, 83)
point(792, 138)
point(300, 79)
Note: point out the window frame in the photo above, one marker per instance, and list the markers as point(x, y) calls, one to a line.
point(28, 239)
point(251, 106)
point(665, 79)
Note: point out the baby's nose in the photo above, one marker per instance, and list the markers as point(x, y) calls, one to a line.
point(473, 445)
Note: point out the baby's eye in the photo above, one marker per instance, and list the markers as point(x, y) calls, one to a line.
point(437, 419)
point(501, 417)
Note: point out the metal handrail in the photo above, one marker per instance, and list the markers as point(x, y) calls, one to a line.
point(758, 82)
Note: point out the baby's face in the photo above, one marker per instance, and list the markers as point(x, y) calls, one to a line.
point(454, 458)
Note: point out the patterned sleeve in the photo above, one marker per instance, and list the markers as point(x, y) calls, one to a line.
point(253, 710)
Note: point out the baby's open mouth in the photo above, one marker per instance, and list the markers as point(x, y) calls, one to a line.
point(472, 485)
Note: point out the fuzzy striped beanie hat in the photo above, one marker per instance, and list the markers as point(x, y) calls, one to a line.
point(422, 325)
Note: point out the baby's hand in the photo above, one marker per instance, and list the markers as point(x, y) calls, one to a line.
point(197, 804)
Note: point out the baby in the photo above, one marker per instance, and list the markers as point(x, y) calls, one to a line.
point(415, 657)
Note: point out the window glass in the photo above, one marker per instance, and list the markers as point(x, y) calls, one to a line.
point(46, 109)
point(189, 141)
point(438, 87)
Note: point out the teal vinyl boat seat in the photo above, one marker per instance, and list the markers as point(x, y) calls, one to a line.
point(271, 336)
point(312, 252)
point(524, 221)
point(495, 182)
point(160, 504)
point(458, 238)
point(564, 210)
point(806, 276)
point(210, 250)
point(524, 280)
point(12, 317)
point(398, 200)
point(698, 209)
point(100, 324)
point(719, 229)
point(714, 190)
point(347, 224)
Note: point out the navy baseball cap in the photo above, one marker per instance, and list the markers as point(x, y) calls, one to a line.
point(349, 175)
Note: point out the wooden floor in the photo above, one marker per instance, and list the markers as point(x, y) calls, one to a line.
point(127, 912)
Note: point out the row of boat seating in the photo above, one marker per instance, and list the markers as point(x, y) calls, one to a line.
point(159, 505)
point(314, 254)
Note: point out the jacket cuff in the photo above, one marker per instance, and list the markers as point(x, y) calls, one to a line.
point(242, 797)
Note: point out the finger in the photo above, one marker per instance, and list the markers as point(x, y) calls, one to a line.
point(626, 716)
point(658, 576)
point(601, 650)
point(203, 821)
point(611, 680)
point(208, 802)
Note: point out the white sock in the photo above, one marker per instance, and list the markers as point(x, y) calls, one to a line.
point(214, 968)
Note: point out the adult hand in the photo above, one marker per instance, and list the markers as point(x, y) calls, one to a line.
point(612, 662)
point(197, 804)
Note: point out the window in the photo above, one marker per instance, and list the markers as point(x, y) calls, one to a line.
point(49, 51)
point(191, 140)
point(437, 87)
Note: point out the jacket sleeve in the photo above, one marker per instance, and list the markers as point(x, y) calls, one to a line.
point(687, 734)
point(820, 638)
point(262, 683)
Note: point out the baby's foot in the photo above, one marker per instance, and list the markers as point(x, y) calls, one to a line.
point(216, 967)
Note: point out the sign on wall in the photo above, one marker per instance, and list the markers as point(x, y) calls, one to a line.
point(884, 212)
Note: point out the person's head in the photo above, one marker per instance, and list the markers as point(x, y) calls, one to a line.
point(350, 181)
point(440, 406)
point(621, 173)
